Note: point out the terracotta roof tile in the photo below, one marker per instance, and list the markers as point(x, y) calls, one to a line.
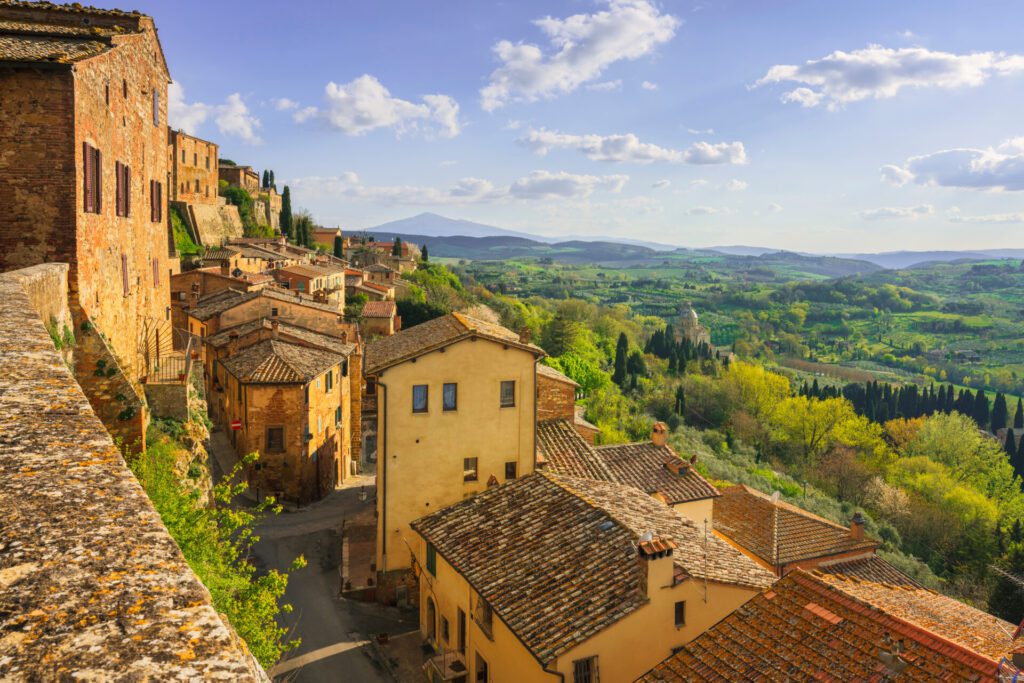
point(780, 533)
point(650, 469)
point(870, 568)
point(287, 331)
point(521, 543)
point(818, 627)
point(214, 304)
point(379, 309)
point(433, 334)
point(551, 373)
point(566, 452)
point(279, 362)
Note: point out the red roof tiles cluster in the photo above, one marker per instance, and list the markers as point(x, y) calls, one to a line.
point(834, 627)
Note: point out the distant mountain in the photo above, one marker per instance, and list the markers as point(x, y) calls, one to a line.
point(906, 259)
point(741, 250)
point(434, 225)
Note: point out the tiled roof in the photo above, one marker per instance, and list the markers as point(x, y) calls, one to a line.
point(780, 533)
point(60, 38)
point(286, 330)
point(817, 627)
point(374, 286)
point(279, 362)
point(566, 452)
point(433, 334)
point(379, 309)
point(551, 373)
point(217, 303)
point(305, 270)
point(220, 253)
point(555, 557)
point(380, 268)
point(646, 467)
point(870, 568)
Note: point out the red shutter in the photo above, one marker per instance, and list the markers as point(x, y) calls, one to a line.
point(152, 202)
point(97, 180)
point(87, 188)
point(156, 272)
point(119, 178)
point(127, 190)
point(124, 273)
point(159, 202)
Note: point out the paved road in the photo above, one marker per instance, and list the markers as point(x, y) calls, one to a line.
point(334, 631)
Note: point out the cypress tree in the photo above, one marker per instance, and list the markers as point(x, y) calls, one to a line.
point(273, 183)
point(423, 252)
point(1000, 414)
point(339, 246)
point(980, 411)
point(287, 225)
point(1018, 419)
point(1010, 446)
point(621, 351)
point(680, 401)
point(396, 248)
point(266, 179)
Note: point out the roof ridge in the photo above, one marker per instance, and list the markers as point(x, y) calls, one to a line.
point(553, 478)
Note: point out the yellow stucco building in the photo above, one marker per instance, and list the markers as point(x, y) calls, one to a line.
point(455, 403)
point(557, 578)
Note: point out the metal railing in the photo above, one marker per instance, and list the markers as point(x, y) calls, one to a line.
point(175, 368)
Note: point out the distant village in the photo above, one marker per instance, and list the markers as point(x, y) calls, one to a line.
point(528, 551)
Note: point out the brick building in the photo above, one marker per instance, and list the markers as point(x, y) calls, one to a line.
point(84, 172)
point(194, 168)
point(240, 176)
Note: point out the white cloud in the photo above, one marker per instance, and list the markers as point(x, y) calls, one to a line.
point(735, 185)
point(231, 118)
point(364, 104)
point(580, 48)
point(544, 184)
point(774, 207)
point(886, 213)
point(537, 185)
point(705, 211)
point(284, 104)
point(647, 85)
point(605, 86)
point(447, 162)
point(997, 218)
point(878, 72)
point(659, 184)
point(628, 148)
point(997, 169)
point(699, 131)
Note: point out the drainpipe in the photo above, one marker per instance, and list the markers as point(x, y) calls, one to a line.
point(561, 676)
point(382, 456)
point(536, 399)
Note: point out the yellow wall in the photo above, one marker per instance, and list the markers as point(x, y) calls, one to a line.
point(420, 455)
point(697, 511)
point(624, 651)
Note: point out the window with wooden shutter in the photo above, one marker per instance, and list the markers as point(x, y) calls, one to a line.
point(156, 107)
point(159, 202)
point(119, 184)
point(97, 180)
point(152, 201)
point(87, 178)
point(156, 272)
point(124, 273)
point(127, 190)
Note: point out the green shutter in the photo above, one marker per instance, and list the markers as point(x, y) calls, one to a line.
point(431, 559)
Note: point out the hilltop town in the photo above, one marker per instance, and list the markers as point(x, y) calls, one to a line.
point(209, 399)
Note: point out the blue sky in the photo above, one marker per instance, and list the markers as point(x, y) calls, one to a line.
point(840, 126)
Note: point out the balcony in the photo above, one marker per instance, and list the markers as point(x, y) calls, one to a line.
point(447, 666)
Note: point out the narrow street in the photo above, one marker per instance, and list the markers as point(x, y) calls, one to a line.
point(335, 632)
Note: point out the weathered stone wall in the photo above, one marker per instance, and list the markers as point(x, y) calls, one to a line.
point(92, 587)
point(216, 224)
point(555, 400)
point(168, 400)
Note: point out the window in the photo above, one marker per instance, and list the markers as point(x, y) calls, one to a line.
point(450, 396)
point(182, 156)
point(156, 201)
point(197, 187)
point(585, 670)
point(239, 391)
point(124, 88)
point(207, 163)
point(124, 273)
point(371, 386)
point(306, 394)
point(469, 466)
point(319, 424)
point(484, 616)
point(344, 368)
point(337, 416)
point(123, 176)
point(461, 644)
point(92, 179)
point(106, 92)
point(510, 470)
point(680, 613)
point(156, 271)
point(195, 162)
point(275, 439)
point(508, 394)
point(273, 312)
point(431, 559)
point(329, 381)
point(481, 669)
point(419, 398)
point(445, 630)
point(156, 107)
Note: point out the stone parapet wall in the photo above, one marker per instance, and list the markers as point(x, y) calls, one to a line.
point(92, 587)
point(214, 224)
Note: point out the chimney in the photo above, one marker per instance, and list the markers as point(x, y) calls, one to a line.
point(274, 325)
point(659, 434)
point(857, 527)
point(654, 553)
point(232, 343)
point(524, 335)
point(225, 268)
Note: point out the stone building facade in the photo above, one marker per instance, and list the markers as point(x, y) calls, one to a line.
point(240, 176)
point(194, 168)
point(84, 173)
